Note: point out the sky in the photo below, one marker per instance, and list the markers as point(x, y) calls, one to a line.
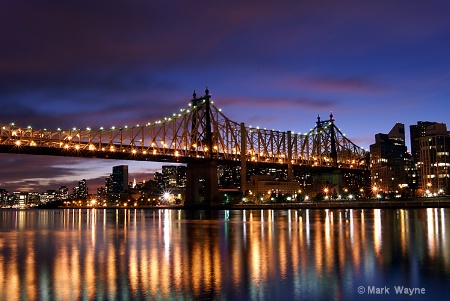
point(273, 64)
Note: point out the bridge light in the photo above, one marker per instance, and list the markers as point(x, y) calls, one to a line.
point(176, 154)
point(112, 149)
point(91, 147)
point(66, 146)
point(88, 129)
point(12, 123)
point(29, 127)
point(144, 152)
point(18, 142)
point(113, 128)
point(133, 151)
point(77, 147)
point(101, 128)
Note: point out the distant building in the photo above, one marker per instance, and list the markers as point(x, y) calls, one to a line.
point(4, 198)
point(118, 181)
point(433, 161)
point(172, 176)
point(389, 162)
point(80, 192)
point(48, 196)
point(229, 177)
point(62, 193)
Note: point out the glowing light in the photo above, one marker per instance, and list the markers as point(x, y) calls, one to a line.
point(18, 142)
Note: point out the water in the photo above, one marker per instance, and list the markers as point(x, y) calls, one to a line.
point(141, 254)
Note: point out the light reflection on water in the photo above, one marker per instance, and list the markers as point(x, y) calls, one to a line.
point(122, 254)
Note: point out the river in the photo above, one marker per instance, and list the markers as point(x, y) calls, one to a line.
point(169, 254)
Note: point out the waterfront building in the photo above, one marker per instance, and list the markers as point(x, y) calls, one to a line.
point(389, 163)
point(263, 188)
point(48, 196)
point(433, 160)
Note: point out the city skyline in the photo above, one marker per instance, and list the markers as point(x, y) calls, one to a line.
point(267, 64)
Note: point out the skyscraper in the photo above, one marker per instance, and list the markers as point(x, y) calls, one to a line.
point(119, 179)
point(389, 161)
point(433, 161)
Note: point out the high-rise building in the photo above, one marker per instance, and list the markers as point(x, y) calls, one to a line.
point(389, 162)
point(172, 176)
point(81, 191)
point(433, 161)
point(118, 181)
point(422, 129)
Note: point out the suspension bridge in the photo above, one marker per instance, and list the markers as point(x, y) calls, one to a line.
point(200, 136)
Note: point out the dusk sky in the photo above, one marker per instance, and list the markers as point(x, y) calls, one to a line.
point(273, 64)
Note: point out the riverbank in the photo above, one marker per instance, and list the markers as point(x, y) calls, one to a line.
point(370, 204)
point(442, 202)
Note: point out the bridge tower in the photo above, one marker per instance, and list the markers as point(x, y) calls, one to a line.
point(202, 181)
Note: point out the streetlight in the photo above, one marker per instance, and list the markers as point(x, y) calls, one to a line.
point(375, 189)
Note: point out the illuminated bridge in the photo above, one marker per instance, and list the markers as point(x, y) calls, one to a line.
point(199, 135)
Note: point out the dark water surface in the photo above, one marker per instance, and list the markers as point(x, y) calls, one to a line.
point(142, 254)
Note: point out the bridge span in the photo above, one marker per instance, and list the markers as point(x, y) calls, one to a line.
point(199, 135)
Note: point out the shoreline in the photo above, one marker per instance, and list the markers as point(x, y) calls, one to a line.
point(442, 202)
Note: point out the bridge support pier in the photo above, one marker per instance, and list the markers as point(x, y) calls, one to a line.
point(202, 187)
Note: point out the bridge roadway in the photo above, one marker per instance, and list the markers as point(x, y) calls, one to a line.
point(163, 158)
